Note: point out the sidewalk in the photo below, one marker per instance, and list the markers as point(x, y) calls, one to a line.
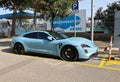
point(104, 48)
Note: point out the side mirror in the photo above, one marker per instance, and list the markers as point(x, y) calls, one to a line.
point(50, 38)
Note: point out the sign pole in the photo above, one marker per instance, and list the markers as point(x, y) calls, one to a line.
point(75, 8)
point(75, 25)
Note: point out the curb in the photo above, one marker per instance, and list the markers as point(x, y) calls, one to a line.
point(105, 50)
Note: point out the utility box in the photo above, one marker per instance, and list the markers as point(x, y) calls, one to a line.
point(117, 30)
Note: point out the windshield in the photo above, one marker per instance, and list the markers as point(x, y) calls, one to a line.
point(58, 35)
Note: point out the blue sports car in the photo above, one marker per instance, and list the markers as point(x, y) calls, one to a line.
point(54, 43)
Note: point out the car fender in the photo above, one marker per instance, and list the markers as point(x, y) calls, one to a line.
point(16, 40)
point(63, 44)
point(79, 49)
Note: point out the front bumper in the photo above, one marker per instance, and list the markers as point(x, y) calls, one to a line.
point(88, 53)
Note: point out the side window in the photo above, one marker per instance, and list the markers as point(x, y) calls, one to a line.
point(31, 35)
point(43, 35)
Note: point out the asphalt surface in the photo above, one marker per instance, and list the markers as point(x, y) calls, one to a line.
point(35, 68)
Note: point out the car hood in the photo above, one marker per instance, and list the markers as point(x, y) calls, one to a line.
point(79, 40)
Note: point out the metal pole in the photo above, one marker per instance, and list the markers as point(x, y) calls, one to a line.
point(75, 25)
point(119, 46)
point(119, 52)
point(92, 20)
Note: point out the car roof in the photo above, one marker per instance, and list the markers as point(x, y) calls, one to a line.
point(45, 31)
point(33, 31)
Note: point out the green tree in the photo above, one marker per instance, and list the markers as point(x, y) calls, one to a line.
point(14, 5)
point(51, 9)
point(99, 13)
point(107, 16)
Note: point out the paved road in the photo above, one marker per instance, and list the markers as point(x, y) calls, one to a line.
point(22, 68)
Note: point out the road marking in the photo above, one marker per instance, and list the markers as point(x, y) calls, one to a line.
point(111, 68)
point(102, 62)
point(113, 62)
point(100, 66)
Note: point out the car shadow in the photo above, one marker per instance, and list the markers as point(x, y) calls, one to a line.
point(10, 50)
point(7, 50)
point(43, 55)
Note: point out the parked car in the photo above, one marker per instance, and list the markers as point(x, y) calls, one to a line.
point(54, 43)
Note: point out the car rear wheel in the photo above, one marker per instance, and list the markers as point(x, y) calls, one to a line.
point(19, 49)
point(69, 53)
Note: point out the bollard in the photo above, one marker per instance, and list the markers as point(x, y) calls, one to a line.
point(110, 48)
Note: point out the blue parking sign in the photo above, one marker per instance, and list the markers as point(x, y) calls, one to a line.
point(75, 6)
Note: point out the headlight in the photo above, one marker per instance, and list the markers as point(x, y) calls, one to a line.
point(84, 46)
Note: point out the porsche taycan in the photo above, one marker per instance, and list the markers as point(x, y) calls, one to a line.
point(54, 43)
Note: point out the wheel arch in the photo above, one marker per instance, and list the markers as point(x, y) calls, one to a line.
point(69, 46)
point(21, 44)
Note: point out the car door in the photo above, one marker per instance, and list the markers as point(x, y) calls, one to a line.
point(39, 42)
point(46, 45)
point(31, 41)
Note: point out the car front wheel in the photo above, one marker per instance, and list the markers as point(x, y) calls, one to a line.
point(19, 49)
point(69, 53)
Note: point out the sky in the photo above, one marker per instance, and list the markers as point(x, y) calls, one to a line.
point(84, 4)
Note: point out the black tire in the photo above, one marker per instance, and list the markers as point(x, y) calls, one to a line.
point(69, 53)
point(19, 49)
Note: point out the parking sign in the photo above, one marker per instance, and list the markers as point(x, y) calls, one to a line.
point(75, 6)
